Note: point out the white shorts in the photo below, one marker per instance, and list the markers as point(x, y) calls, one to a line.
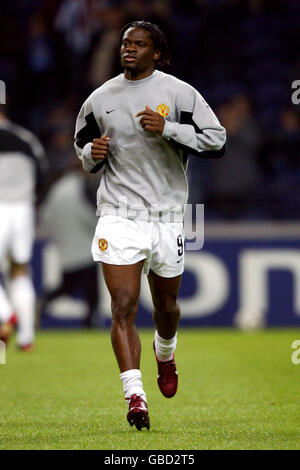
point(122, 241)
point(16, 231)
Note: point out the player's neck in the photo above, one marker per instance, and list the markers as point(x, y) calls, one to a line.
point(129, 75)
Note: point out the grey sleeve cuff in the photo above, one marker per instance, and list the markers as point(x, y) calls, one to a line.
point(168, 129)
point(87, 160)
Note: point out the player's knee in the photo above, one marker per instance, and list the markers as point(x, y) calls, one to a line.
point(124, 307)
point(17, 269)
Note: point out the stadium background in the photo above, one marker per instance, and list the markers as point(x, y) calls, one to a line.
point(243, 57)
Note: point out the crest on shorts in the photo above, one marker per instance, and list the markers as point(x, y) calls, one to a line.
point(163, 110)
point(102, 244)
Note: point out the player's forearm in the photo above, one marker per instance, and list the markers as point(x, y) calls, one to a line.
point(198, 130)
point(86, 157)
point(197, 141)
point(88, 163)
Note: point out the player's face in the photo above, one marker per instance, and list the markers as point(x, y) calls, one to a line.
point(137, 53)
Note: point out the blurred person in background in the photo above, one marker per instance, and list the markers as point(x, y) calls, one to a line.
point(40, 69)
point(57, 134)
point(142, 126)
point(280, 156)
point(78, 22)
point(236, 194)
point(68, 217)
point(23, 167)
point(104, 59)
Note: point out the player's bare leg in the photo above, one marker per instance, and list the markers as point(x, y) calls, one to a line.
point(23, 299)
point(124, 283)
point(166, 317)
point(7, 316)
point(7, 328)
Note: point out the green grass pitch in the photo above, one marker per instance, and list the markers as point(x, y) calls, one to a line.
point(236, 391)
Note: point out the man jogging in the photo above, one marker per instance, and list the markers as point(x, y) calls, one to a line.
point(142, 125)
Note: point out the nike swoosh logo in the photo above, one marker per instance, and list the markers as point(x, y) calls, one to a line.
point(108, 112)
point(178, 261)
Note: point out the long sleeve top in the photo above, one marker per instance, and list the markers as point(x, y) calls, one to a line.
point(146, 172)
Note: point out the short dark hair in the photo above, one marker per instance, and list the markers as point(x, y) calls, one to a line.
point(158, 37)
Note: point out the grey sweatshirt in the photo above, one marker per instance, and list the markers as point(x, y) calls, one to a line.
point(145, 173)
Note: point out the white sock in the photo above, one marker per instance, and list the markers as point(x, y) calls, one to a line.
point(23, 300)
point(6, 309)
point(164, 348)
point(132, 383)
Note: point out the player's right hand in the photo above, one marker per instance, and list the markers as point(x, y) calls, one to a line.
point(99, 148)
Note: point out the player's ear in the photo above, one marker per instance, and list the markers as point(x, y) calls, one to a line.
point(156, 55)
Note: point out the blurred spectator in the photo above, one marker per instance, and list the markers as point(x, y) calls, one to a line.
point(78, 21)
point(281, 166)
point(40, 66)
point(234, 181)
point(58, 130)
point(105, 55)
point(68, 217)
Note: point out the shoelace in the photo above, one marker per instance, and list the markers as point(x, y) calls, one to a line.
point(168, 368)
point(133, 401)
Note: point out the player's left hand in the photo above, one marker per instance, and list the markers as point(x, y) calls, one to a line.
point(151, 121)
